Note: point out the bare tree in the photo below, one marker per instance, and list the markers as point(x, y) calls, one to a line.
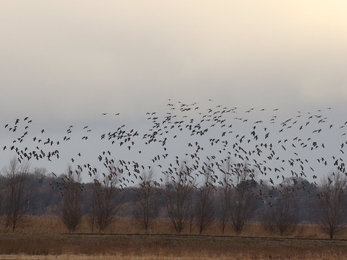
point(281, 216)
point(146, 203)
point(204, 206)
point(106, 198)
point(16, 195)
point(91, 217)
point(332, 203)
point(242, 199)
point(71, 207)
point(224, 193)
point(178, 196)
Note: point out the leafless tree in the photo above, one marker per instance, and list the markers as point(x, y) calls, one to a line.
point(242, 199)
point(146, 203)
point(224, 193)
point(71, 207)
point(106, 198)
point(177, 194)
point(204, 206)
point(16, 195)
point(332, 203)
point(280, 216)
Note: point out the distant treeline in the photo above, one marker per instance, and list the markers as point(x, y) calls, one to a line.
point(233, 201)
point(46, 197)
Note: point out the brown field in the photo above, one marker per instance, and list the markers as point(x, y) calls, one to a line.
point(46, 238)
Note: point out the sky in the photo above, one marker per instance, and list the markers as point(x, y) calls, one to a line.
point(66, 62)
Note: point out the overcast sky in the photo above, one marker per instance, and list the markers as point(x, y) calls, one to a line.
point(66, 61)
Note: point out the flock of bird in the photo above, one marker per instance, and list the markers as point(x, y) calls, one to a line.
point(217, 139)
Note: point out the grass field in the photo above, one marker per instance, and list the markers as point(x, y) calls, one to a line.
point(45, 238)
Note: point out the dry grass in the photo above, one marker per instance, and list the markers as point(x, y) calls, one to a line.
point(52, 224)
point(166, 246)
point(45, 238)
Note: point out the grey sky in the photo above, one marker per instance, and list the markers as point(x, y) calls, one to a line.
point(70, 61)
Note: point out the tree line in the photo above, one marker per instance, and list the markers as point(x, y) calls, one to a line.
point(189, 200)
